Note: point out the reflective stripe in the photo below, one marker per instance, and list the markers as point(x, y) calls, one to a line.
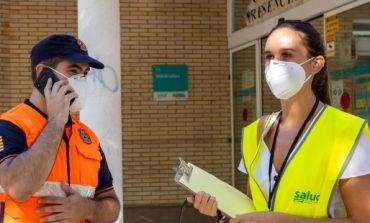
point(54, 189)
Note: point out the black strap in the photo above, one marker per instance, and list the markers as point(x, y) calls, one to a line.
point(66, 141)
point(220, 216)
point(278, 177)
point(182, 210)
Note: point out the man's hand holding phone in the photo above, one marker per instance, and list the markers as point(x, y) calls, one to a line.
point(58, 98)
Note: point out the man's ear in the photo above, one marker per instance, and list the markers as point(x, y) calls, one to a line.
point(39, 68)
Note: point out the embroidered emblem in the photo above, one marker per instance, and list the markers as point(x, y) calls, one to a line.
point(84, 136)
point(82, 45)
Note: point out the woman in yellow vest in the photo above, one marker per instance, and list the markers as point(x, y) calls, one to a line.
point(309, 162)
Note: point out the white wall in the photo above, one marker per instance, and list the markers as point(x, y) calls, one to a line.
point(99, 28)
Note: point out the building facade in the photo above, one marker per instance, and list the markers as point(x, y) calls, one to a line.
point(221, 42)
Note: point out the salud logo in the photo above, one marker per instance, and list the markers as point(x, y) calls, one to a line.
point(306, 197)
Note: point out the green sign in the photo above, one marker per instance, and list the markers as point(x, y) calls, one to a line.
point(246, 92)
point(170, 82)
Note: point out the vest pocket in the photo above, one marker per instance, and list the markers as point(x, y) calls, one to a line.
point(89, 163)
point(89, 153)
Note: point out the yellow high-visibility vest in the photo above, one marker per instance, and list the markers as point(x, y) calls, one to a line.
point(307, 183)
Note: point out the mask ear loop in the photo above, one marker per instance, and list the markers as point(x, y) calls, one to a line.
point(307, 61)
point(311, 75)
point(308, 78)
point(81, 75)
point(57, 72)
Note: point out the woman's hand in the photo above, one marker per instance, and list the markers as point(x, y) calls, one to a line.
point(257, 217)
point(204, 203)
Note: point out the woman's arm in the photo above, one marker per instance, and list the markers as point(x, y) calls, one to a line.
point(355, 194)
point(356, 197)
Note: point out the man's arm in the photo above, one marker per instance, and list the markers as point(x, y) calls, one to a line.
point(103, 208)
point(21, 176)
point(106, 207)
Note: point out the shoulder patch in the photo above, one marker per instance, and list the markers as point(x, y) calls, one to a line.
point(84, 136)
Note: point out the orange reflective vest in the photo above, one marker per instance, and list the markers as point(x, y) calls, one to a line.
point(77, 162)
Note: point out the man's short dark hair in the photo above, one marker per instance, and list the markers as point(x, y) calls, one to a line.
point(52, 62)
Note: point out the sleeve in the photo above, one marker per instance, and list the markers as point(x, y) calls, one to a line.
point(12, 140)
point(359, 164)
point(241, 167)
point(105, 180)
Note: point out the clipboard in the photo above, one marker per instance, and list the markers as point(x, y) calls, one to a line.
point(230, 201)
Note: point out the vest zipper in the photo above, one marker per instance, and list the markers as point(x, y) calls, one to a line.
point(66, 140)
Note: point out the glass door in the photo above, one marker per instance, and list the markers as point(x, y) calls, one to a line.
point(347, 35)
point(245, 69)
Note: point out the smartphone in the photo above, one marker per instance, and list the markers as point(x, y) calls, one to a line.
point(43, 78)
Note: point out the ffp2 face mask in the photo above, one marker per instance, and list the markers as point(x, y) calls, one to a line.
point(285, 79)
point(80, 86)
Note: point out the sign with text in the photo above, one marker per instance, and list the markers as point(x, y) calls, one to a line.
point(331, 29)
point(261, 9)
point(170, 82)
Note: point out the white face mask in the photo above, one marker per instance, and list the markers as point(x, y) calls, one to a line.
point(80, 86)
point(285, 79)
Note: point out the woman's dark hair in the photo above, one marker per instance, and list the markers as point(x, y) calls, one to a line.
point(315, 45)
